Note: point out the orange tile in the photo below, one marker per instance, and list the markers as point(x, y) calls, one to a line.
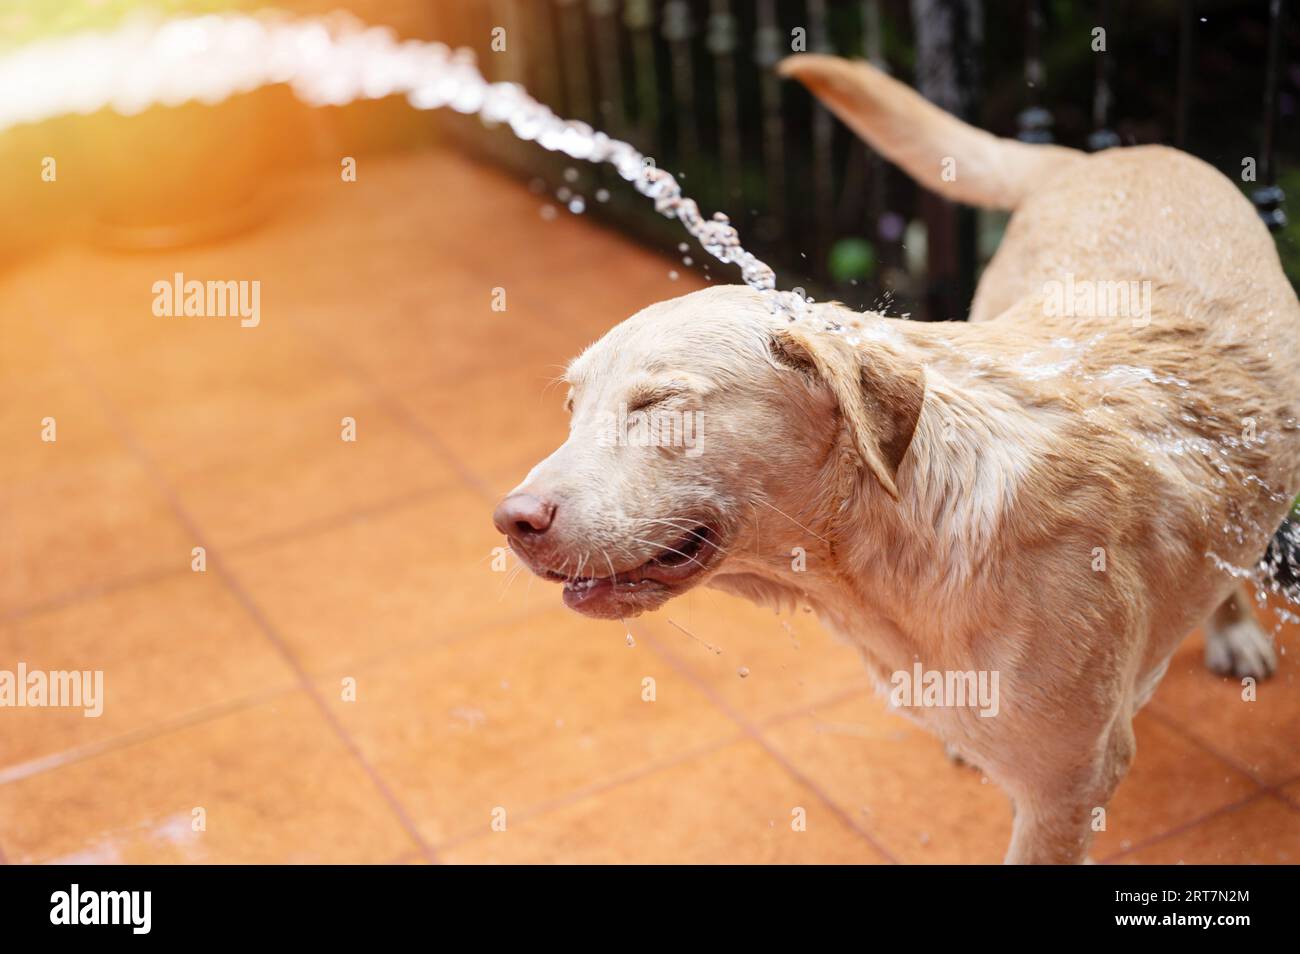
point(736, 805)
point(167, 650)
point(789, 661)
point(249, 471)
point(77, 511)
point(1262, 736)
point(895, 781)
point(82, 431)
point(274, 781)
point(411, 576)
point(82, 522)
point(1263, 831)
point(499, 426)
point(188, 367)
point(441, 333)
point(30, 347)
point(518, 717)
point(104, 311)
point(1172, 782)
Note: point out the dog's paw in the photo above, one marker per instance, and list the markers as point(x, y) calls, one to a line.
point(1240, 649)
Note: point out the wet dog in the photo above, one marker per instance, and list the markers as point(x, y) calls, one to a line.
point(1050, 493)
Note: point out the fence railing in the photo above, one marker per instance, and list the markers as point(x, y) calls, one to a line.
point(691, 83)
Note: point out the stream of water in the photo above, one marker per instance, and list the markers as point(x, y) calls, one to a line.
point(326, 62)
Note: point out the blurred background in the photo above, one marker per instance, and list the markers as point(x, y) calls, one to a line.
point(353, 671)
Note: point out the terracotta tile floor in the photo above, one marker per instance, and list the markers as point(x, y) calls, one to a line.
point(351, 679)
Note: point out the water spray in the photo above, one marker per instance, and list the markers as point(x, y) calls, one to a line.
point(327, 61)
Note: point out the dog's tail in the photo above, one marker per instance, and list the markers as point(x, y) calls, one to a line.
point(938, 150)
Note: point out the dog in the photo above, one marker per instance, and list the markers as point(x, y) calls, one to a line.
point(1055, 492)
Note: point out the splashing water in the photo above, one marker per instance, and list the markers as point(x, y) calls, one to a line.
point(326, 62)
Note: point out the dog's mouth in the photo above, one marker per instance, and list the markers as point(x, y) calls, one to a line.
point(628, 592)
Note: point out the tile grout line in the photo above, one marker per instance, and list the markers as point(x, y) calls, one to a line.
point(31, 768)
point(590, 791)
point(253, 545)
point(1186, 826)
point(755, 734)
point(395, 411)
point(85, 594)
point(657, 766)
point(1261, 792)
point(38, 766)
point(653, 768)
point(1179, 729)
point(810, 708)
point(305, 682)
point(337, 521)
point(245, 600)
point(1277, 790)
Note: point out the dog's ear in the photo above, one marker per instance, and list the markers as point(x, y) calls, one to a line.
point(879, 394)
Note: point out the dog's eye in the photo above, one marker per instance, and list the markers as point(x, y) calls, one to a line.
point(644, 399)
point(641, 403)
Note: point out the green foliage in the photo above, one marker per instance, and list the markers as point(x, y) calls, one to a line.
point(1288, 240)
point(852, 258)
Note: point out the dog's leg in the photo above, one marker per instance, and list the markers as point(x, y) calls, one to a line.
point(1235, 643)
point(1055, 814)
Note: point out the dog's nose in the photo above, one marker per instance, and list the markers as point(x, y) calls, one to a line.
point(523, 515)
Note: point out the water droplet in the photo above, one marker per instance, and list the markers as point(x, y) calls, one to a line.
point(673, 275)
point(548, 212)
point(578, 205)
point(570, 174)
point(743, 672)
point(602, 195)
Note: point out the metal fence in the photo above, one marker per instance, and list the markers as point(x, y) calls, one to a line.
point(691, 83)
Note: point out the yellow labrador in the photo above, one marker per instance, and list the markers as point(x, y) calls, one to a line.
point(1050, 495)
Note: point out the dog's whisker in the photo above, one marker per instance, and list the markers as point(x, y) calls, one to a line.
point(792, 520)
point(509, 581)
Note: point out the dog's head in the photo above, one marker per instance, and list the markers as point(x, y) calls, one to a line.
point(707, 431)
